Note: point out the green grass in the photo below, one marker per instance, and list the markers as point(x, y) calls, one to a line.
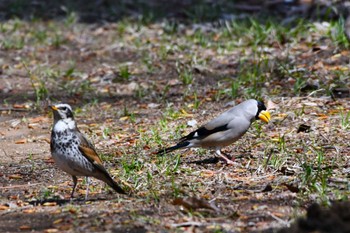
point(185, 73)
point(345, 120)
point(124, 72)
point(38, 85)
point(47, 193)
point(336, 33)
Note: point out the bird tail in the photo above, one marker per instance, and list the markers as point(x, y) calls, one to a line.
point(117, 188)
point(181, 144)
point(108, 179)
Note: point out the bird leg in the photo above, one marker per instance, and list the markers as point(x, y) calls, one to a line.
point(223, 156)
point(87, 187)
point(230, 157)
point(75, 181)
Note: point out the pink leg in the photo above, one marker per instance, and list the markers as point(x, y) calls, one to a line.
point(227, 160)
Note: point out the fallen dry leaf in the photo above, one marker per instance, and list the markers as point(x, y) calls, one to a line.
point(21, 141)
point(15, 176)
point(65, 227)
point(57, 211)
point(13, 197)
point(50, 204)
point(193, 203)
point(73, 211)
point(25, 228)
point(49, 160)
point(207, 173)
point(322, 116)
point(21, 106)
point(124, 118)
point(38, 119)
point(29, 211)
point(185, 114)
point(33, 126)
point(51, 230)
point(57, 221)
point(4, 207)
point(15, 122)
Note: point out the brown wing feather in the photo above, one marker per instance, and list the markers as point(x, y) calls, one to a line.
point(90, 154)
point(88, 150)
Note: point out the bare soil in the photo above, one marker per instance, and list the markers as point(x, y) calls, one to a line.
point(278, 173)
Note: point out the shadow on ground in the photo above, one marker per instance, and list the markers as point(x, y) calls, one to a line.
point(92, 11)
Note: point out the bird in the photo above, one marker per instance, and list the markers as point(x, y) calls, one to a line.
point(223, 130)
point(73, 152)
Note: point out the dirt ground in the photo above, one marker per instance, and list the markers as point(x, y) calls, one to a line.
point(136, 86)
point(250, 197)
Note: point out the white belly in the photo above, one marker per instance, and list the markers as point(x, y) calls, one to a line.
point(68, 157)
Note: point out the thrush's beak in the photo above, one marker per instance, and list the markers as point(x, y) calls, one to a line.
point(53, 107)
point(265, 116)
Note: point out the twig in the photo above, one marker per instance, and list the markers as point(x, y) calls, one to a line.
point(19, 186)
point(15, 109)
point(14, 210)
point(338, 180)
point(315, 91)
point(278, 219)
point(268, 158)
point(186, 224)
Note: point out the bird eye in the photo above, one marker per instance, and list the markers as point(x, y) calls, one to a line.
point(64, 108)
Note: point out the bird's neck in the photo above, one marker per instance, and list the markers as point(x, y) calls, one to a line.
point(64, 124)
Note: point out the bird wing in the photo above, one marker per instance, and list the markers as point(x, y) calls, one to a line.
point(218, 124)
point(89, 152)
point(225, 121)
point(203, 132)
point(222, 120)
point(225, 128)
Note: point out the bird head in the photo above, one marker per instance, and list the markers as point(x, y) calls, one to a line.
point(262, 113)
point(62, 112)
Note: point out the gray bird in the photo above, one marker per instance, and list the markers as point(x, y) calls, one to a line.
point(224, 129)
point(73, 153)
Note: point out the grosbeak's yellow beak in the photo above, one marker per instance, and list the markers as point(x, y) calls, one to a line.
point(265, 116)
point(53, 107)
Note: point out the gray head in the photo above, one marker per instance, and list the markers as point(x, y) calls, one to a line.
point(254, 110)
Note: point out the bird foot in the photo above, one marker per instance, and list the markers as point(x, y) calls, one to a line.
point(230, 162)
point(227, 160)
